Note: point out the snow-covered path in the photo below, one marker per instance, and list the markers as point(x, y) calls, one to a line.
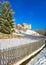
point(40, 59)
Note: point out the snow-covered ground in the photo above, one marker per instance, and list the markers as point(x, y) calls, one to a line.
point(30, 32)
point(40, 59)
point(7, 43)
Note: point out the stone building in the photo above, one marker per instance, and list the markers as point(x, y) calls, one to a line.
point(27, 26)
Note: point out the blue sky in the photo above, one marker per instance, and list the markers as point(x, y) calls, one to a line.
point(29, 11)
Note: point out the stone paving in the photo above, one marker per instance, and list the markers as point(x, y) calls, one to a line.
point(40, 59)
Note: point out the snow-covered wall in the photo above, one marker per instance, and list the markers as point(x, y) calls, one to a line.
point(7, 43)
point(18, 48)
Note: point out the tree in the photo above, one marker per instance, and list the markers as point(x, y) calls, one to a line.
point(6, 18)
point(42, 32)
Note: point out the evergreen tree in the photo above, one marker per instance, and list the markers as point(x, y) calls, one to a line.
point(6, 18)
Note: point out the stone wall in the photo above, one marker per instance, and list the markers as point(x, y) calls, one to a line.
point(12, 55)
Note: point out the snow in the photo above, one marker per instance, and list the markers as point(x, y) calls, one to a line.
point(40, 59)
point(7, 43)
point(30, 32)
